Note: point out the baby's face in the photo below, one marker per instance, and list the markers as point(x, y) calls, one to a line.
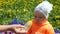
point(39, 17)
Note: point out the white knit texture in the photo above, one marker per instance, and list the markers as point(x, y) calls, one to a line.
point(45, 7)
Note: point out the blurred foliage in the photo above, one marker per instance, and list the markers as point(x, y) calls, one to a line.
point(24, 10)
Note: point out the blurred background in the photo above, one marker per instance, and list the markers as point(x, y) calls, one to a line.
point(24, 10)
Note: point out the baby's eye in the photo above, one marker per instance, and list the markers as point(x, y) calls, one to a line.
point(40, 17)
point(35, 16)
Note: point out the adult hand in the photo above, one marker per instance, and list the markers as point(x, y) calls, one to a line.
point(20, 31)
point(17, 28)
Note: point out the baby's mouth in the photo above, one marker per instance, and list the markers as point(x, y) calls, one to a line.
point(39, 21)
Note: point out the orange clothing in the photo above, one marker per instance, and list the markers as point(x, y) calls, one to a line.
point(42, 28)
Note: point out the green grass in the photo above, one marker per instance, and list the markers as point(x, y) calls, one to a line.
point(24, 10)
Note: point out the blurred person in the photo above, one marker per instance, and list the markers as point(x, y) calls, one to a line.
point(40, 24)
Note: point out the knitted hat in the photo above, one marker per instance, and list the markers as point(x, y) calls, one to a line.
point(45, 8)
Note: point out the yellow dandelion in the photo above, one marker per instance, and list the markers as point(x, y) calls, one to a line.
point(19, 0)
point(5, 3)
point(25, 10)
point(1, 9)
point(9, 11)
point(57, 16)
point(0, 2)
point(24, 0)
point(33, 0)
point(58, 22)
point(18, 10)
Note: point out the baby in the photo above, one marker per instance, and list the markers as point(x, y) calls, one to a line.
point(40, 24)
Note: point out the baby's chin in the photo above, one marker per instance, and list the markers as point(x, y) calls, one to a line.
point(40, 21)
